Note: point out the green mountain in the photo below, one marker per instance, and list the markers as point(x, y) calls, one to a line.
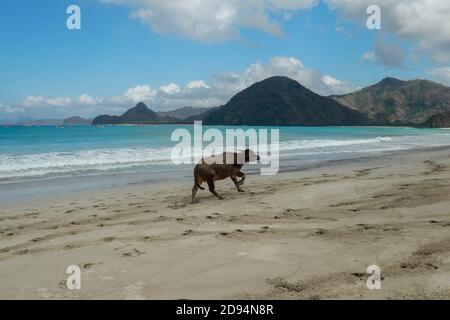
point(140, 114)
point(280, 101)
point(183, 113)
point(441, 120)
point(395, 102)
point(38, 123)
point(202, 116)
point(76, 121)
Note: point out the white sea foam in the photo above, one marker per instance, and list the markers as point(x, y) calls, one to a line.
point(14, 166)
point(312, 144)
point(62, 162)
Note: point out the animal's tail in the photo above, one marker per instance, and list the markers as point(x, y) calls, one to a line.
point(200, 187)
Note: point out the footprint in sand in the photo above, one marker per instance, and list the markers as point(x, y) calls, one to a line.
point(359, 275)
point(91, 264)
point(441, 223)
point(148, 238)
point(32, 214)
point(161, 218)
point(135, 222)
point(177, 205)
point(62, 284)
point(132, 253)
point(263, 230)
point(38, 239)
point(188, 233)
point(136, 204)
point(321, 232)
point(109, 239)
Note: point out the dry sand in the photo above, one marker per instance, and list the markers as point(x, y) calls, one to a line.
point(298, 235)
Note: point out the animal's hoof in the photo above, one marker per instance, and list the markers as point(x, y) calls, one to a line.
point(241, 190)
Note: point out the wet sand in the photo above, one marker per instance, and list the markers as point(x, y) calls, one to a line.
point(298, 235)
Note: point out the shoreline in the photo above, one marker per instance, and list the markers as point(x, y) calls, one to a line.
point(306, 234)
point(115, 185)
point(223, 125)
point(98, 164)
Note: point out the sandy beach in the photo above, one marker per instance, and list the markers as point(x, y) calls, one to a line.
point(307, 234)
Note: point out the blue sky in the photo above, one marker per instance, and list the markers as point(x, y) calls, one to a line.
point(122, 54)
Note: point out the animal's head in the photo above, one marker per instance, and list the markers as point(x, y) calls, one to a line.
point(250, 156)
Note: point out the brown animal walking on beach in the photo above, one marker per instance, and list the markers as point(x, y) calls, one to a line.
point(226, 165)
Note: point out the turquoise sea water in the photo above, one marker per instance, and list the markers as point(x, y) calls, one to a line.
point(33, 153)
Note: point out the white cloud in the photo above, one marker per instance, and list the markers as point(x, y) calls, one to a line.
point(138, 93)
point(199, 94)
point(171, 88)
point(212, 20)
point(425, 22)
point(87, 100)
point(441, 74)
point(292, 5)
point(370, 56)
point(197, 84)
point(59, 102)
point(282, 66)
point(33, 101)
point(330, 81)
point(386, 53)
point(7, 109)
point(196, 93)
point(38, 101)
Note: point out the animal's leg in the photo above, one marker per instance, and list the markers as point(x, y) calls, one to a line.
point(194, 193)
point(242, 176)
point(199, 181)
point(236, 183)
point(212, 188)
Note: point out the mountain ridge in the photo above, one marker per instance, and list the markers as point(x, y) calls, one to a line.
point(281, 101)
point(441, 120)
point(184, 113)
point(76, 121)
point(140, 114)
point(399, 102)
